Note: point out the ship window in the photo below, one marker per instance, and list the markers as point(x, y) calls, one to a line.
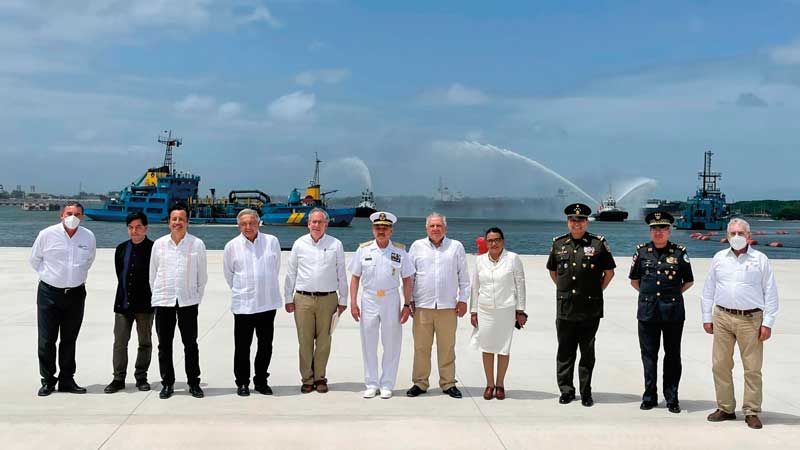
point(115, 208)
point(133, 209)
point(156, 200)
point(138, 199)
point(155, 210)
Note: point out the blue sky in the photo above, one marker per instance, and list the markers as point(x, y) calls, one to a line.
point(602, 92)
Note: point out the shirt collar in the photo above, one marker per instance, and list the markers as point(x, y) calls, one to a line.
point(441, 246)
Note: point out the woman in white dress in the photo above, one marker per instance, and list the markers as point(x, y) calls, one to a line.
point(496, 304)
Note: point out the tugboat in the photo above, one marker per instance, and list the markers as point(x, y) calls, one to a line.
point(707, 210)
point(295, 210)
point(153, 193)
point(224, 211)
point(609, 211)
point(367, 205)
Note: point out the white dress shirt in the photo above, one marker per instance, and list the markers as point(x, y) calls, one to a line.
point(743, 282)
point(178, 272)
point(442, 278)
point(251, 270)
point(316, 267)
point(61, 261)
point(497, 285)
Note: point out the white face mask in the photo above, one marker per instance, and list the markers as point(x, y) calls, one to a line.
point(71, 222)
point(738, 242)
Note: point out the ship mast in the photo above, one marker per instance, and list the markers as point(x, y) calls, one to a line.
point(169, 142)
point(315, 180)
point(709, 178)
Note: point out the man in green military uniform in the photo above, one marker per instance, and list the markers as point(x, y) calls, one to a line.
point(581, 266)
point(661, 272)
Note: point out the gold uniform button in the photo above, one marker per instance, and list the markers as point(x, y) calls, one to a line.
point(574, 264)
point(658, 283)
point(573, 291)
point(573, 278)
point(658, 272)
point(658, 294)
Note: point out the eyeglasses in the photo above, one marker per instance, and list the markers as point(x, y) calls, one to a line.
point(494, 241)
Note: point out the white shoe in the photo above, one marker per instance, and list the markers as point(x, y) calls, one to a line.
point(386, 393)
point(370, 392)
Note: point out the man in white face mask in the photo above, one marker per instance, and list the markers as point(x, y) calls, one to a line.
point(741, 284)
point(62, 255)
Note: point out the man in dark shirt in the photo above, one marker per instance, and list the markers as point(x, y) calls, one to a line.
point(132, 304)
point(581, 266)
point(661, 272)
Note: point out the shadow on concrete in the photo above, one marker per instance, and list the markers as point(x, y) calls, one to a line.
point(769, 418)
point(615, 397)
point(698, 405)
point(511, 394)
point(346, 387)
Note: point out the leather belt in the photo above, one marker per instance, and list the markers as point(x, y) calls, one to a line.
point(315, 294)
point(64, 291)
point(740, 312)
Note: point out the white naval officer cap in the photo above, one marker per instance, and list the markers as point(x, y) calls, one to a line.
point(382, 218)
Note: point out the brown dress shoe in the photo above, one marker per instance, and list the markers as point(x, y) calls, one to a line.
point(306, 388)
point(322, 386)
point(500, 393)
point(753, 421)
point(720, 415)
point(488, 393)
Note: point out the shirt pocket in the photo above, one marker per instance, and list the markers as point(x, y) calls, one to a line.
point(81, 256)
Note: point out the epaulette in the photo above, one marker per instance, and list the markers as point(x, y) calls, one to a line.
point(399, 245)
point(640, 246)
point(680, 247)
point(560, 237)
point(364, 244)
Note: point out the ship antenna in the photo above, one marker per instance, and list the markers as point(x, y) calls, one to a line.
point(315, 180)
point(169, 143)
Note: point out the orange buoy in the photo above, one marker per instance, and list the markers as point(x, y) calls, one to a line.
point(752, 242)
point(759, 233)
point(723, 241)
point(705, 238)
point(480, 242)
point(713, 233)
point(775, 244)
point(781, 232)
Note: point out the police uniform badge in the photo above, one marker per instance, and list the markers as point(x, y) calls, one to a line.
point(396, 257)
point(686, 257)
point(672, 260)
point(588, 251)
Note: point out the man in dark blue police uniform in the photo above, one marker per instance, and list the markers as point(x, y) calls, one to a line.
point(661, 272)
point(581, 266)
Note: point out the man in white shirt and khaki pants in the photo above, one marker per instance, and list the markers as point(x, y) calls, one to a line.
point(742, 285)
point(440, 294)
point(314, 275)
point(178, 279)
point(251, 262)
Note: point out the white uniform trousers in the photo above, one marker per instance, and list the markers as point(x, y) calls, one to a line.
point(381, 314)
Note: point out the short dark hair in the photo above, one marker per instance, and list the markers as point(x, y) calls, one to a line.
point(494, 230)
point(178, 206)
point(138, 215)
point(72, 203)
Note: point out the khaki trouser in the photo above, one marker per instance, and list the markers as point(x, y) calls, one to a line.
point(313, 318)
point(427, 323)
point(729, 329)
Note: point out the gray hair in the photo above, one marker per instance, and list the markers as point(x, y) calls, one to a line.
point(320, 210)
point(738, 221)
point(434, 215)
point(247, 212)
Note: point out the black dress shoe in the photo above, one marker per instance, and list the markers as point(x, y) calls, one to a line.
point(587, 400)
point(263, 389)
point(646, 406)
point(46, 390)
point(166, 392)
point(415, 391)
point(243, 391)
point(143, 385)
point(196, 391)
point(566, 398)
point(114, 386)
point(70, 386)
point(453, 392)
point(674, 407)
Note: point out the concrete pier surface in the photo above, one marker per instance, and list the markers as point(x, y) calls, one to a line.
point(529, 418)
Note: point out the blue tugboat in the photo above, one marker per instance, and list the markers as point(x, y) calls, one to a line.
point(224, 211)
point(153, 193)
point(295, 210)
point(707, 210)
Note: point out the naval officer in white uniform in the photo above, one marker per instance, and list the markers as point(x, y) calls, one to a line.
point(379, 266)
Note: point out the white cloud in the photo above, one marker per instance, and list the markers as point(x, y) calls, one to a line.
point(788, 54)
point(330, 76)
point(316, 45)
point(456, 95)
point(292, 107)
point(229, 110)
point(195, 103)
point(262, 14)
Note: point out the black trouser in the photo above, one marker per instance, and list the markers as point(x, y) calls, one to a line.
point(649, 340)
point(571, 335)
point(58, 312)
point(186, 318)
point(123, 323)
point(243, 326)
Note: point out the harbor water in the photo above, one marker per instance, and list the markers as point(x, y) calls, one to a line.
point(19, 229)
